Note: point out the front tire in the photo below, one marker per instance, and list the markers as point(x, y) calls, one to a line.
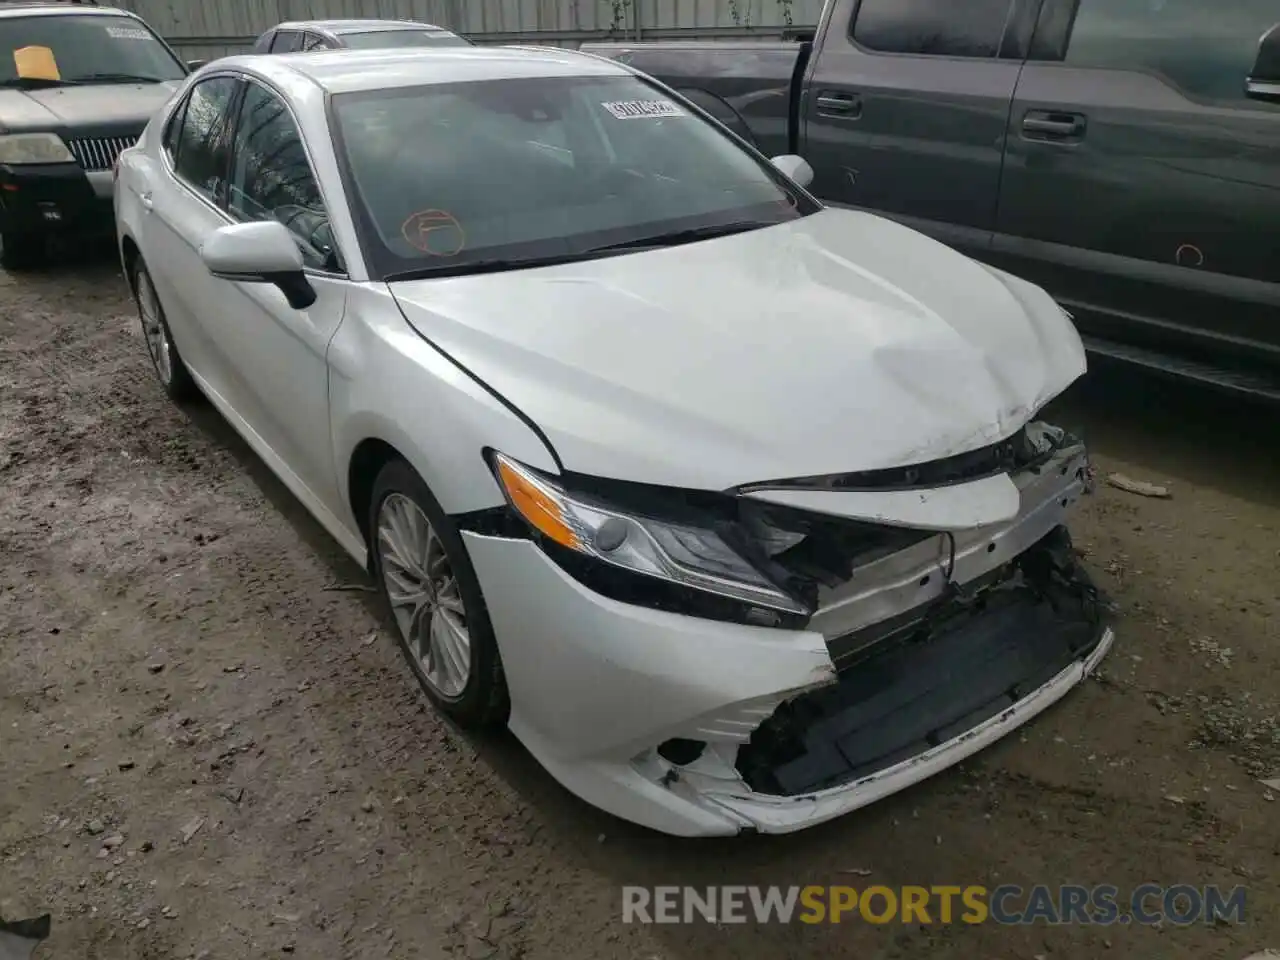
point(426, 579)
point(170, 369)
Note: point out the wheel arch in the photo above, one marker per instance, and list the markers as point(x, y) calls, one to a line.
point(367, 460)
point(397, 396)
point(130, 254)
point(458, 487)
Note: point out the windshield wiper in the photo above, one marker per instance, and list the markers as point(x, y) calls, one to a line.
point(117, 78)
point(495, 265)
point(692, 235)
point(36, 83)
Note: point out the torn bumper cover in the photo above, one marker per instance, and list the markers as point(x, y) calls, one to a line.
point(934, 676)
point(926, 652)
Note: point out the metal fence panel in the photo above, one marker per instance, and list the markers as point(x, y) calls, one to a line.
point(214, 28)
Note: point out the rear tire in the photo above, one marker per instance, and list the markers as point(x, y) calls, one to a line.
point(23, 249)
point(167, 363)
point(445, 632)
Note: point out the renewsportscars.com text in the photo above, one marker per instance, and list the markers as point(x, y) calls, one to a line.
point(1180, 904)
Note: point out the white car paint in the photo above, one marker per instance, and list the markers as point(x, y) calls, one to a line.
point(887, 363)
point(836, 343)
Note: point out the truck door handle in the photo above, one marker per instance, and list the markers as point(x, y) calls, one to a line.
point(1053, 126)
point(833, 102)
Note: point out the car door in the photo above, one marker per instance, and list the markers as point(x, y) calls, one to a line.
point(277, 353)
point(906, 107)
point(181, 203)
point(1141, 183)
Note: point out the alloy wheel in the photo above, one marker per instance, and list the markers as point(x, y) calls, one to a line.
point(153, 329)
point(424, 595)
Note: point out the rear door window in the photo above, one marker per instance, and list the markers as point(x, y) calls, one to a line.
point(1203, 48)
point(942, 28)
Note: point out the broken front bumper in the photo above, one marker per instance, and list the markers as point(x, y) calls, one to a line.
point(698, 727)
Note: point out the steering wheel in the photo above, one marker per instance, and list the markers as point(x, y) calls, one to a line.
point(311, 227)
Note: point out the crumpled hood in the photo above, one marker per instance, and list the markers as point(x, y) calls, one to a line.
point(839, 342)
point(98, 103)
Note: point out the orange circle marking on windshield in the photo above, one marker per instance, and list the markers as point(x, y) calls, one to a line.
point(434, 232)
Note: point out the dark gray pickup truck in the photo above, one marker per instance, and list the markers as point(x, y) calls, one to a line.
point(1124, 154)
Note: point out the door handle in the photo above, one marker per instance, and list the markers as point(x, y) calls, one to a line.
point(147, 203)
point(833, 102)
point(1049, 125)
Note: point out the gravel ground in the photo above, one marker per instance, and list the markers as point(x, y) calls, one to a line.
point(209, 752)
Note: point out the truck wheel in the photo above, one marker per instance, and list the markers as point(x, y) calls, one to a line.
point(23, 249)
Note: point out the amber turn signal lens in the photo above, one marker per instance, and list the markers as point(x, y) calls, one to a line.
point(536, 504)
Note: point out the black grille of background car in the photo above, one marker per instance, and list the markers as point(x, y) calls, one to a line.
point(99, 153)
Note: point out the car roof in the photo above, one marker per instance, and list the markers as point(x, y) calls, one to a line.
point(348, 71)
point(359, 26)
point(27, 9)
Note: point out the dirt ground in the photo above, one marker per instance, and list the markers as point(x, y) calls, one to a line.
point(209, 752)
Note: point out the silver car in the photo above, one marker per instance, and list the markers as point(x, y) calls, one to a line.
point(307, 35)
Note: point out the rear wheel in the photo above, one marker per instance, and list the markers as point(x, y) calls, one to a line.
point(165, 359)
point(427, 579)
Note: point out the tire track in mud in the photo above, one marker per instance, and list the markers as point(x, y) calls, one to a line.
point(171, 658)
point(146, 541)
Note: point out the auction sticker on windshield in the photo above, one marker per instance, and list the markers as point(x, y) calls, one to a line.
point(128, 33)
point(634, 109)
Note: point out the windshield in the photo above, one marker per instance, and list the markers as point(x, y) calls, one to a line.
point(381, 39)
point(453, 178)
point(74, 48)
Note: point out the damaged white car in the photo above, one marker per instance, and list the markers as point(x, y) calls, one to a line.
point(735, 508)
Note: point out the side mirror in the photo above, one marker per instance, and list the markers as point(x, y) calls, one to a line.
point(194, 65)
point(260, 252)
point(795, 168)
point(1264, 78)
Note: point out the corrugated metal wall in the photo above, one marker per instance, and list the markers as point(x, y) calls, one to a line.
point(214, 28)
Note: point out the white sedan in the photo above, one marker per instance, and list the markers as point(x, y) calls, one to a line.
point(735, 508)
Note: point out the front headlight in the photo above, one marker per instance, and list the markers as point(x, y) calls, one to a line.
point(680, 553)
point(20, 148)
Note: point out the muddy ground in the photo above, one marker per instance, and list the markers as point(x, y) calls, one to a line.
point(209, 752)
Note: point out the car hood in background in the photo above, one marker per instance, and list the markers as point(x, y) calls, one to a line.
point(96, 103)
point(839, 342)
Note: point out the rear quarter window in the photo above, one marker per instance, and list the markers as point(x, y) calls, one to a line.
point(286, 41)
point(173, 130)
